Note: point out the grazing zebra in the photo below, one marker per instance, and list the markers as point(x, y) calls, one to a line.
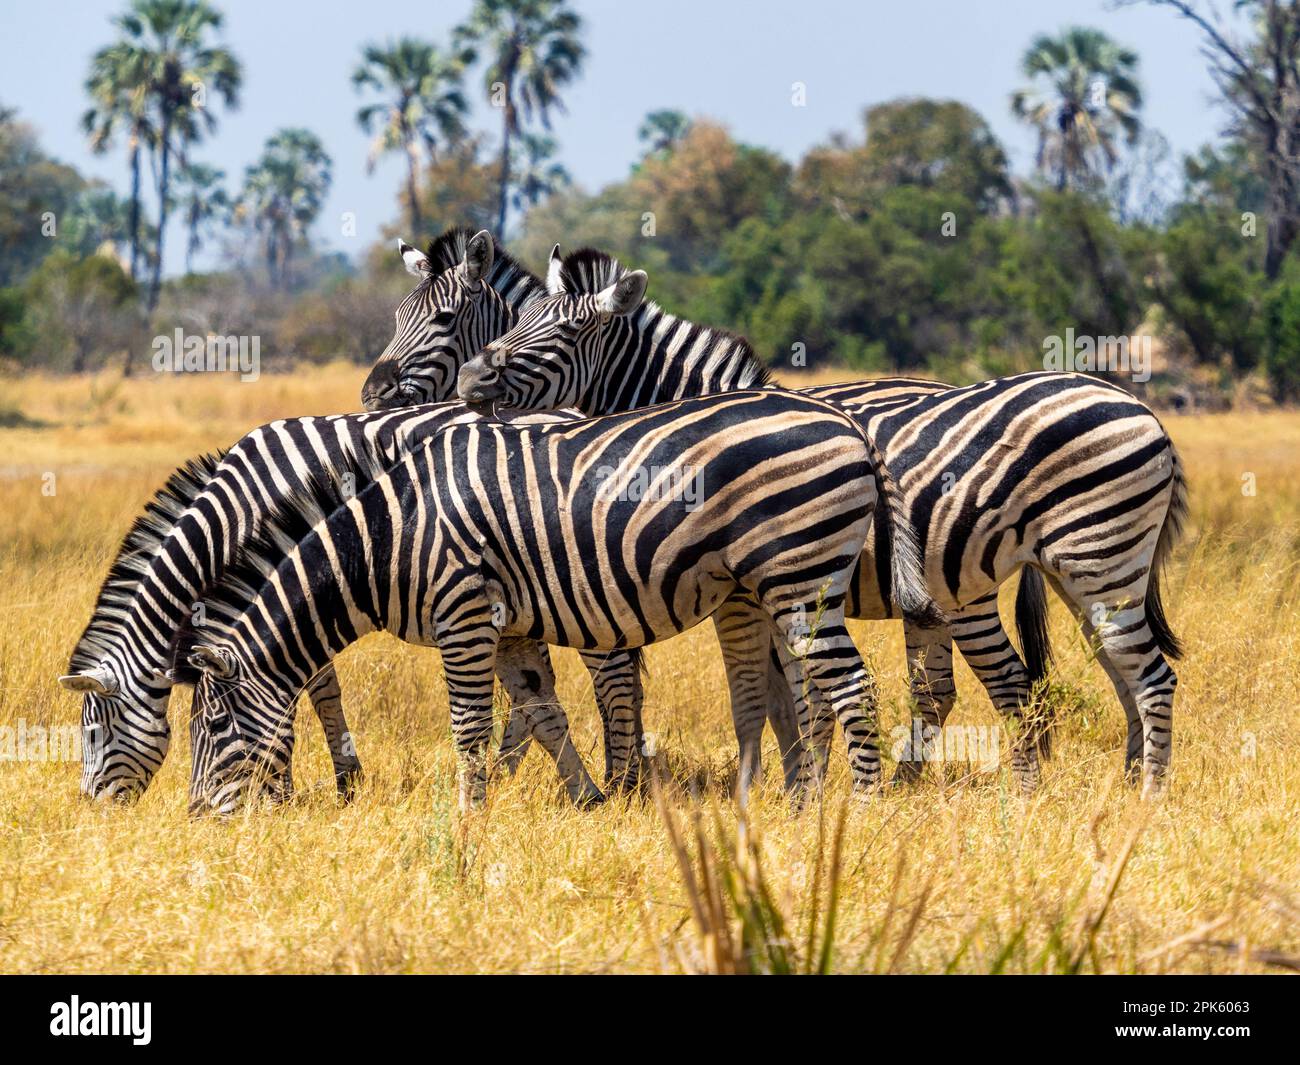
point(1059, 472)
point(493, 530)
point(428, 348)
point(190, 532)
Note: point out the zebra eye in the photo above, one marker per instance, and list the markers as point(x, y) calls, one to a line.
point(216, 716)
point(443, 318)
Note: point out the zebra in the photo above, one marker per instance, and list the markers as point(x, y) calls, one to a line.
point(469, 293)
point(428, 348)
point(493, 529)
point(191, 530)
point(1062, 473)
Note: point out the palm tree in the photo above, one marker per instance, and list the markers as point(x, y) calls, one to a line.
point(283, 193)
point(202, 201)
point(426, 104)
point(118, 85)
point(166, 52)
point(1083, 92)
point(536, 175)
point(662, 131)
point(533, 51)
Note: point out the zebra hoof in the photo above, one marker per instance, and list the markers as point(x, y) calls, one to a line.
point(348, 781)
point(1044, 744)
point(1154, 787)
point(590, 800)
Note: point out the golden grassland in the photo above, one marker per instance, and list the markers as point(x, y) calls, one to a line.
point(953, 874)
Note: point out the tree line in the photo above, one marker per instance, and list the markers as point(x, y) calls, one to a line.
point(908, 246)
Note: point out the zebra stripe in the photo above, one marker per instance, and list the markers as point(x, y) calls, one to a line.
point(499, 530)
point(190, 532)
point(1060, 472)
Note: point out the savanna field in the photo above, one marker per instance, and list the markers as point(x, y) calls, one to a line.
point(956, 874)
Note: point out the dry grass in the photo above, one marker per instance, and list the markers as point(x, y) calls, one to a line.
point(960, 876)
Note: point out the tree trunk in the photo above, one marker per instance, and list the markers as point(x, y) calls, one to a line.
point(192, 236)
point(164, 179)
point(272, 256)
point(1283, 227)
point(135, 206)
point(412, 193)
point(503, 203)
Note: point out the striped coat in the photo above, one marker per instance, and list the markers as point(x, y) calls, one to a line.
point(1061, 473)
point(604, 534)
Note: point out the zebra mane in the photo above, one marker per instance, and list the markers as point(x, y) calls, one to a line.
point(507, 273)
point(228, 597)
point(588, 271)
point(136, 554)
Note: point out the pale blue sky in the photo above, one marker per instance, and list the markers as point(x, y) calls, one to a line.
point(734, 60)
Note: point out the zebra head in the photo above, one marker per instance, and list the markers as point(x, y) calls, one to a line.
point(449, 316)
point(241, 732)
point(124, 730)
point(554, 352)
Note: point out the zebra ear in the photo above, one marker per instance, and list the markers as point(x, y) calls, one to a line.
point(624, 295)
point(417, 263)
point(478, 256)
point(97, 681)
point(554, 274)
point(214, 660)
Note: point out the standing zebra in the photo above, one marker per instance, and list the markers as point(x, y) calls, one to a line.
point(495, 529)
point(192, 530)
point(469, 293)
point(1060, 472)
point(430, 345)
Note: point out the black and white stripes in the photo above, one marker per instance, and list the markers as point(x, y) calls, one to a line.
point(1059, 472)
point(189, 534)
point(496, 530)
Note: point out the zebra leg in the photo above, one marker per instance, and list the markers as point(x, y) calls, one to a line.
point(1117, 626)
point(784, 714)
point(515, 737)
point(983, 642)
point(745, 637)
point(327, 701)
point(1134, 743)
point(828, 658)
point(1135, 740)
point(526, 673)
point(929, 666)
point(468, 662)
point(616, 681)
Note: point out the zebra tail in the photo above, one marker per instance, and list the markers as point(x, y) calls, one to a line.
point(1031, 624)
point(1170, 533)
point(896, 541)
point(783, 717)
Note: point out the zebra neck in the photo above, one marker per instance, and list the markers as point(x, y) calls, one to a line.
point(321, 599)
point(161, 607)
point(516, 286)
point(663, 358)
